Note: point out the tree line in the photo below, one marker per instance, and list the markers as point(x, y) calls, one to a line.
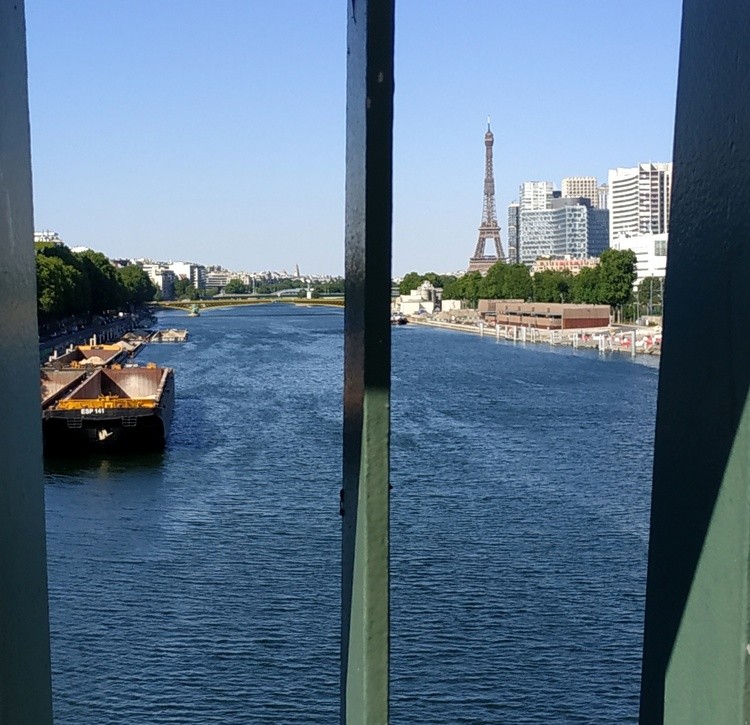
point(83, 283)
point(609, 283)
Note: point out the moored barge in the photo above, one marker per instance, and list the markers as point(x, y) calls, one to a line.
point(113, 408)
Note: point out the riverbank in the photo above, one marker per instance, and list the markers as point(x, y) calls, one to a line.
point(630, 340)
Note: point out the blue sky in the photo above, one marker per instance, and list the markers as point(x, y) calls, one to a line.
point(214, 131)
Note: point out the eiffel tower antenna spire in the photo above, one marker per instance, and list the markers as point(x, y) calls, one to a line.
point(489, 228)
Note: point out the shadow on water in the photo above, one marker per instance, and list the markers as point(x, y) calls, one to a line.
point(102, 467)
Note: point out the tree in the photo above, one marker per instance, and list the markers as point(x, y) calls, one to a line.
point(235, 287)
point(492, 286)
point(183, 288)
point(56, 287)
point(650, 294)
point(411, 281)
point(552, 286)
point(585, 286)
point(471, 283)
point(517, 283)
point(454, 290)
point(79, 298)
point(106, 291)
point(616, 276)
point(137, 284)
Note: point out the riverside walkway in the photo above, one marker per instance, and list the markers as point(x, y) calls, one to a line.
point(628, 339)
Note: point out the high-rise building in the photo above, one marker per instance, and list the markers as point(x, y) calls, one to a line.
point(534, 195)
point(195, 273)
point(639, 200)
point(568, 229)
point(581, 186)
point(513, 231)
point(603, 195)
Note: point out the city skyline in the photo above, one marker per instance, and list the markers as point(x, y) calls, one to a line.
point(172, 144)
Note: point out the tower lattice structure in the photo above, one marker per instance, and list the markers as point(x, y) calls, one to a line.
point(489, 228)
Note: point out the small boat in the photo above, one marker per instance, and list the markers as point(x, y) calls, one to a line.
point(398, 318)
point(194, 311)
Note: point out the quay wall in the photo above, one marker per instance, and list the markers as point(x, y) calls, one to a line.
point(603, 339)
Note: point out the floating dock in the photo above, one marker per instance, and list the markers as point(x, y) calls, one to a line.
point(170, 335)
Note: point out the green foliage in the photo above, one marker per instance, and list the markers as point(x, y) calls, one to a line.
point(585, 287)
point(332, 287)
point(85, 283)
point(79, 297)
point(616, 276)
point(650, 295)
point(235, 287)
point(492, 286)
point(184, 289)
point(471, 284)
point(454, 290)
point(107, 292)
point(137, 283)
point(552, 286)
point(57, 285)
point(411, 281)
point(517, 283)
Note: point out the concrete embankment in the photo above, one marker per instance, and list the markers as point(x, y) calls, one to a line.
point(633, 341)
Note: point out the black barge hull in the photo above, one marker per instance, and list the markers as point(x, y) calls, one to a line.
point(108, 423)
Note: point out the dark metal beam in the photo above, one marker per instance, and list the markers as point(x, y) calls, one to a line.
point(696, 646)
point(367, 352)
point(25, 692)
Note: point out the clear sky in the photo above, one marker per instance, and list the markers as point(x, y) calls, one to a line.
point(214, 131)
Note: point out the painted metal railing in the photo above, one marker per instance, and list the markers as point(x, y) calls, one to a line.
point(697, 646)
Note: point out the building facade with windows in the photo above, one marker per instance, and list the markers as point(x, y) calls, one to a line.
point(581, 186)
point(639, 200)
point(571, 230)
point(513, 232)
point(650, 253)
point(534, 195)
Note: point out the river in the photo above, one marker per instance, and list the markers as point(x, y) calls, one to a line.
point(202, 586)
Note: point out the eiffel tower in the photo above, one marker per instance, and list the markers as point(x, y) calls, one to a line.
point(489, 228)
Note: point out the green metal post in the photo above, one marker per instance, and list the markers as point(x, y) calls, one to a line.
point(25, 691)
point(365, 493)
point(697, 643)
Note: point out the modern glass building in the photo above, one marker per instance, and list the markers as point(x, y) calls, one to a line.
point(570, 230)
point(513, 232)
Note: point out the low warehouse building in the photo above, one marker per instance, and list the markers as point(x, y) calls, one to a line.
point(544, 315)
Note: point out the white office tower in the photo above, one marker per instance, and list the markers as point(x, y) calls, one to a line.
point(534, 195)
point(639, 200)
point(575, 187)
point(603, 193)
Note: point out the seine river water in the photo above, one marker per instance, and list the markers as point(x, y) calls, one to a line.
point(202, 586)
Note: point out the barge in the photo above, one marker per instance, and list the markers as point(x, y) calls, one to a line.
point(92, 356)
point(113, 408)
